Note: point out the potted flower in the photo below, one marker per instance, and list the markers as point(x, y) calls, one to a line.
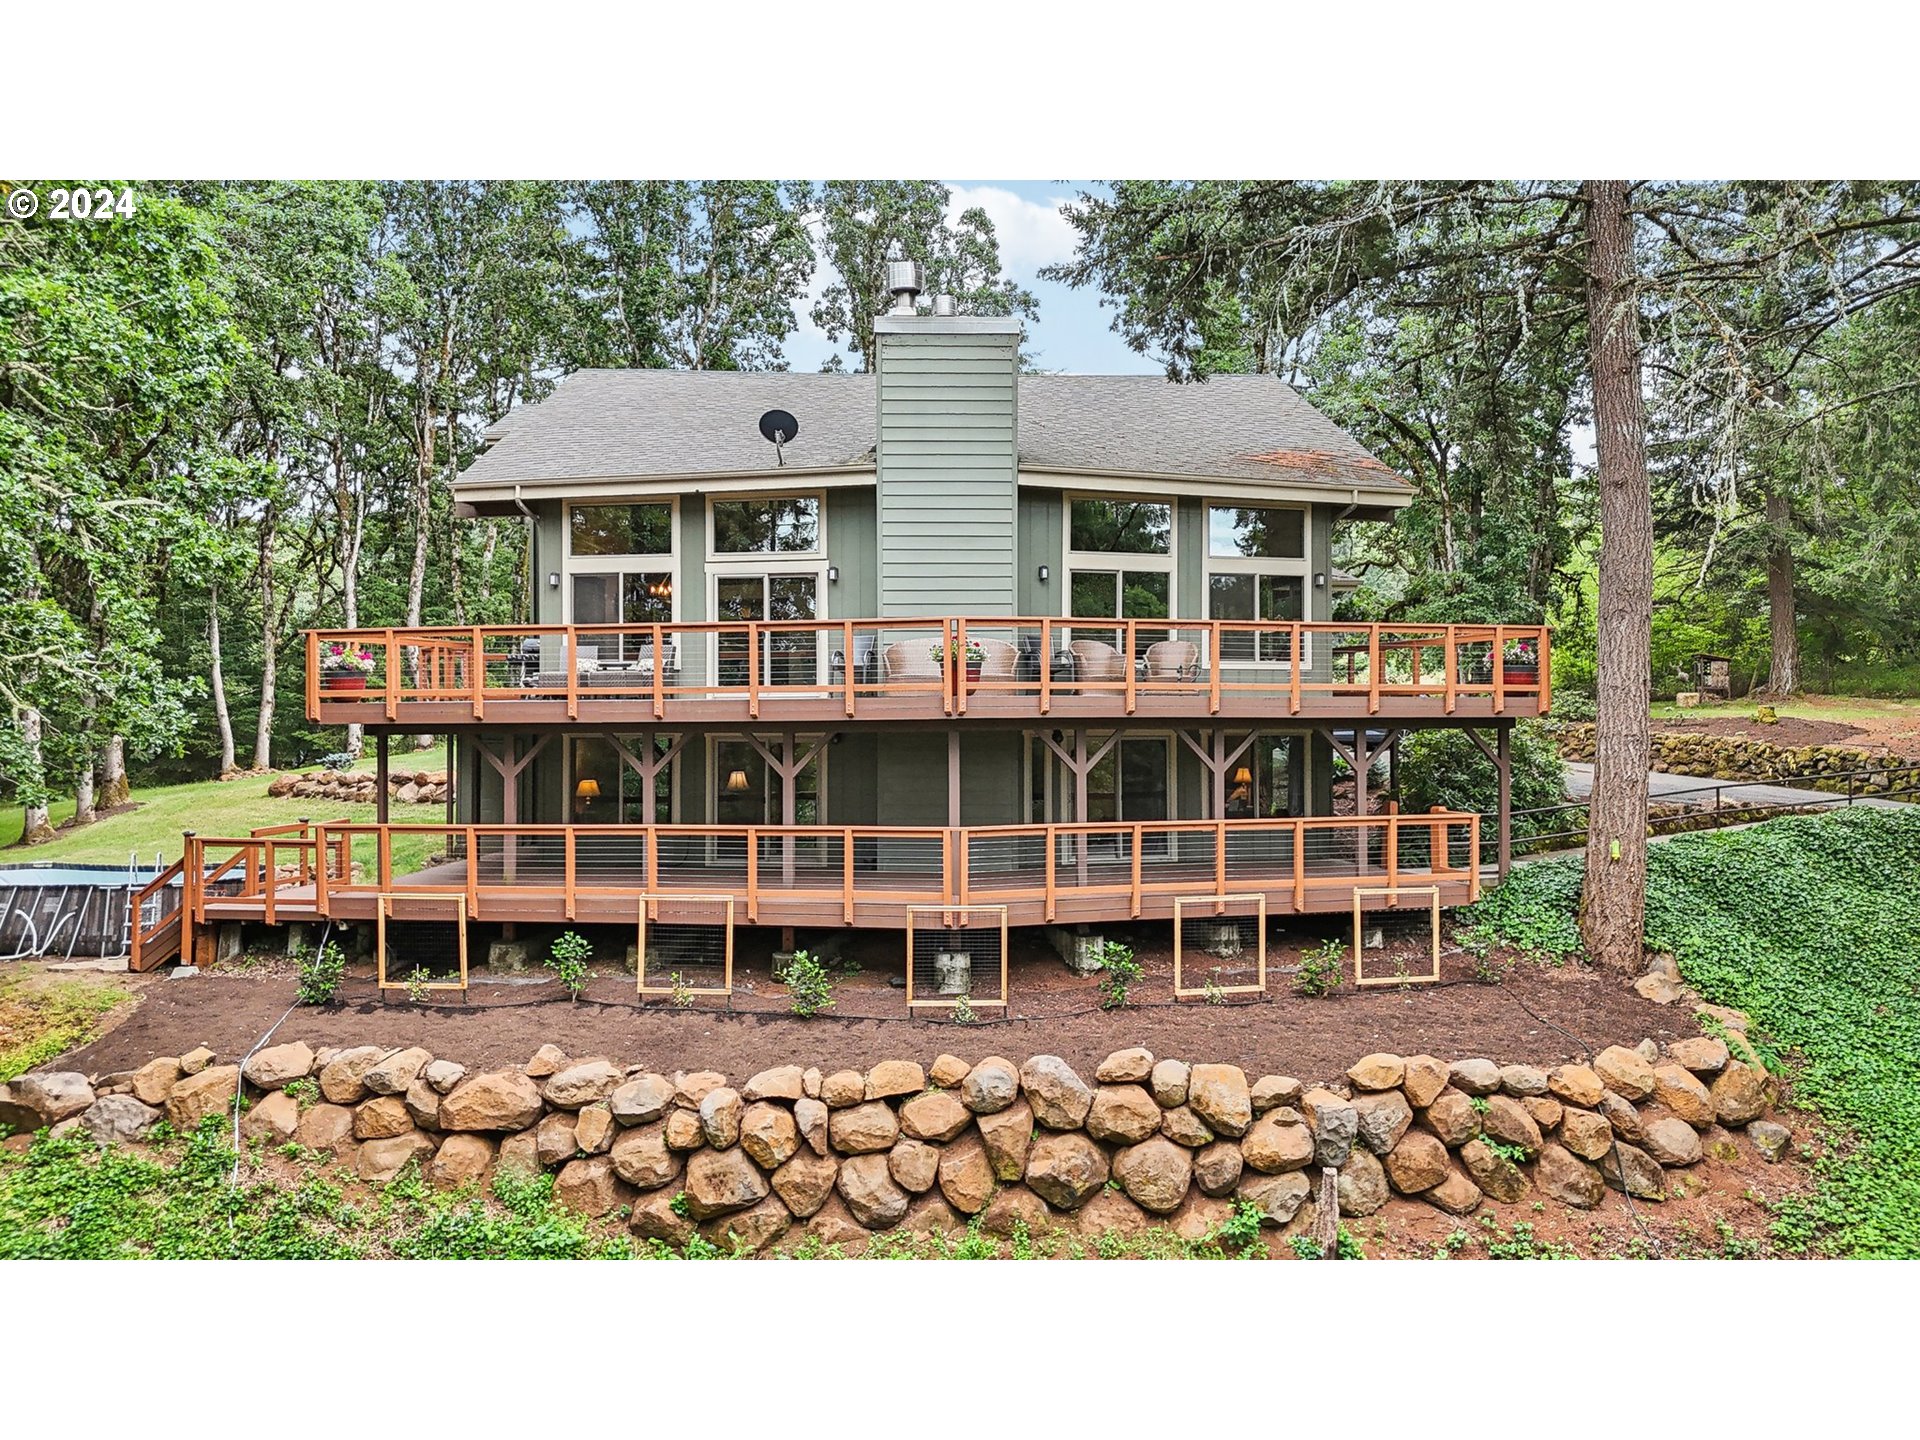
point(975, 657)
point(345, 667)
point(1520, 662)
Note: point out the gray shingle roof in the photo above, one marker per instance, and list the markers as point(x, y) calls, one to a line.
point(605, 424)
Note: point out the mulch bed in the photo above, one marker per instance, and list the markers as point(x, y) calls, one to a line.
point(1539, 1014)
point(1787, 730)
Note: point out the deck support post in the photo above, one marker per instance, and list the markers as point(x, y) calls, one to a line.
point(1360, 757)
point(380, 776)
point(1081, 764)
point(953, 779)
point(787, 763)
point(508, 766)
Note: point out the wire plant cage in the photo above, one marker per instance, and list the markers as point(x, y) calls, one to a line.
point(684, 946)
point(1219, 946)
point(1409, 936)
point(420, 941)
point(956, 953)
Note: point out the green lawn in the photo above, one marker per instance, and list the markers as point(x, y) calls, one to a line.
point(210, 807)
point(1845, 709)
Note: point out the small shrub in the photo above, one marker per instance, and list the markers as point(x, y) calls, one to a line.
point(570, 955)
point(682, 992)
point(809, 985)
point(339, 760)
point(320, 974)
point(417, 982)
point(1321, 969)
point(1213, 993)
point(963, 1011)
point(1119, 973)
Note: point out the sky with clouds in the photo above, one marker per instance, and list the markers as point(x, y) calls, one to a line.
point(1073, 333)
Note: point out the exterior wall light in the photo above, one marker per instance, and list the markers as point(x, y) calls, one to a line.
point(553, 579)
point(833, 574)
point(1319, 580)
point(1045, 574)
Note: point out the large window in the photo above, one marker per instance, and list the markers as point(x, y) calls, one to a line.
point(1256, 533)
point(645, 529)
point(1256, 572)
point(1119, 567)
point(620, 571)
point(605, 790)
point(771, 525)
point(1120, 527)
point(1263, 784)
point(747, 791)
point(787, 657)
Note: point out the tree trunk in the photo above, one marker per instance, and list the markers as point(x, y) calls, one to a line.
point(269, 649)
point(36, 827)
point(1784, 677)
point(217, 682)
point(1613, 904)
point(114, 789)
point(83, 813)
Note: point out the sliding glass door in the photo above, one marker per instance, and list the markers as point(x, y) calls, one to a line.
point(787, 657)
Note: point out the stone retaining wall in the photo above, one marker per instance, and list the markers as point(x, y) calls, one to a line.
point(841, 1155)
point(1726, 757)
point(408, 787)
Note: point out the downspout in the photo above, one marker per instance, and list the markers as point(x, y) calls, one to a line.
point(533, 551)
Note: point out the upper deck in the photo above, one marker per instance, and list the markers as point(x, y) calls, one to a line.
point(947, 670)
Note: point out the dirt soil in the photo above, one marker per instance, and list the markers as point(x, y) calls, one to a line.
point(1538, 1014)
point(1895, 733)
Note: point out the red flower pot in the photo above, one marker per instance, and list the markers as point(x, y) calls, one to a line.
point(351, 680)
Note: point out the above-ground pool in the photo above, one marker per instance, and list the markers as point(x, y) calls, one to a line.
point(60, 911)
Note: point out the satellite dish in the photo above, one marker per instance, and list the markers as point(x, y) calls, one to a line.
point(779, 427)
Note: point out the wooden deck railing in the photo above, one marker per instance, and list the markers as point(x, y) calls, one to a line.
point(550, 869)
point(898, 667)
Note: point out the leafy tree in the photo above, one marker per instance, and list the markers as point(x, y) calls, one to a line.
point(863, 223)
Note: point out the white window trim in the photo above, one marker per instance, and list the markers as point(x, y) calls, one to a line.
point(752, 558)
point(1301, 568)
point(570, 565)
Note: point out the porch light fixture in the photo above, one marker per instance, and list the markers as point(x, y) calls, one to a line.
point(553, 579)
point(833, 574)
point(1243, 776)
point(1319, 580)
point(737, 781)
point(1046, 574)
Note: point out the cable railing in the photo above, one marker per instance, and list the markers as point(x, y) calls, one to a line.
point(898, 668)
point(581, 871)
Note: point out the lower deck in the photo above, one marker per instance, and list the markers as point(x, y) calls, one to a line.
point(817, 876)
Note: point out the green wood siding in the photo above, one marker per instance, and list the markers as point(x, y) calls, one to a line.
point(947, 471)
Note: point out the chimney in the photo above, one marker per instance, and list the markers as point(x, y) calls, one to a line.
point(947, 460)
point(904, 283)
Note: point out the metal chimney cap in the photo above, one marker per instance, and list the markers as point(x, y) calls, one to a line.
point(904, 283)
point(943, 305)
